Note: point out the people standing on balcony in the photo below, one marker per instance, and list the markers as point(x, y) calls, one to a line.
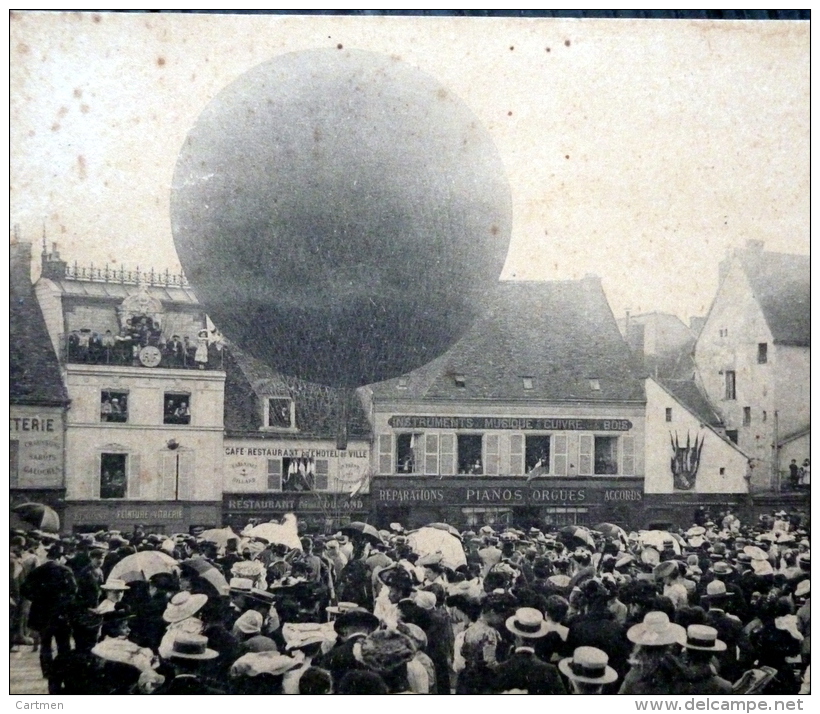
point(201, 353)
point(174, 352)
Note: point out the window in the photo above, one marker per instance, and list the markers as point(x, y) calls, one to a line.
point(279, 413)
point(460, 380)
point(731, 392)
point(731, 434)
point(556, 517)
point(402, 383)
point(724, 332)
point(469, 454)
point(488, 516)
point(176, 408)
point(764, 415)
point(595, 385)
point(537, 453)
point(668, 413)
point(113, 479)
point(302, 474)
point(606, 454)
point(747, 416)
point(528, 382)
point(274, 474)
point(722, 471)
point(762, 352)
point(14, 463)
point(406, 460)
point(114, 406)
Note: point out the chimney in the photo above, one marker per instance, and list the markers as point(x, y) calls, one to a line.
point(52, 267)
point(20, 267)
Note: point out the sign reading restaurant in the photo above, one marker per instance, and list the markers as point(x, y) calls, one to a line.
point(513, 423)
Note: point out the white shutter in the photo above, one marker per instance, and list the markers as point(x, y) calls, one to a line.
point(628, 449)
point(96, 478)
point(586, 447)
point(492, 463)
point(134, 487)
point(516, 454)
point(386, 465)
point(274, 474)
point(431, 454)
point(167, 479)
point(572, 454)
point(187, 475)
point(447, 450)
point(320, 476)
point(560, 454)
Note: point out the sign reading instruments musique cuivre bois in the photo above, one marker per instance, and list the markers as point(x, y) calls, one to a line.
point(510, 423)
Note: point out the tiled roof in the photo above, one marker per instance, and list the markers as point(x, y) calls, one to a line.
point(248, 381)
point(781, 284)
point(687, 392)
point(34, 375)
point(562, 335)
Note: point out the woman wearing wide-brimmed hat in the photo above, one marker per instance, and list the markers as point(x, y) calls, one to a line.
point(181, 616)
point(653, 665)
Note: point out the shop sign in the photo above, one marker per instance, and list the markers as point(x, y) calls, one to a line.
point(148, 514)
point(509, 495)
point(485, 423)
point(284, 504)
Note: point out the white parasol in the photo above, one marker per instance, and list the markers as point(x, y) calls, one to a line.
point(285, 533)
point(657, 539)
point(426, 541)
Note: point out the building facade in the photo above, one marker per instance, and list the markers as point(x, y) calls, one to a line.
point(753, 358)
point(535, 417)
point(38, 399)
point(291, 447)
point(143, 439)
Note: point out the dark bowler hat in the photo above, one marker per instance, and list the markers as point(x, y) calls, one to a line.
point(355, 619)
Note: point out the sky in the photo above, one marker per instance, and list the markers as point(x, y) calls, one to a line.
point(637, 150)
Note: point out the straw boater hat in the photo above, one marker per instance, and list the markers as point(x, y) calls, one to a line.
point(527, 622)
point(250, 623)
point(655, 631)
point(241, 586)
point(703, 638)
point(666, 569)
point(588, 664)
point(716, 590)
point(182, 606)
point(342, 608)
point(115, 584)
point(721, 567)
point(188, 646)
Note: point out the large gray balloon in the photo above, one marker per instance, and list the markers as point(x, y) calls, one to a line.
point(341, 215)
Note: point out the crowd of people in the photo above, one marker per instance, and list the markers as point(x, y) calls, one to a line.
point(720, 608)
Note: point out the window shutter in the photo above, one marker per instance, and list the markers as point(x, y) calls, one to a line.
point(585, 449)
point(628, 448)
point(168, 465)
point(431, 454)
point(572, 454)
point(560, 454)
point(96, 480)
point(516, 454)
point(448, 454)
point(386, 454)
point(491, 458)
point(187, 487)
point(274, 474)
point(320, 476)
point(133, 489)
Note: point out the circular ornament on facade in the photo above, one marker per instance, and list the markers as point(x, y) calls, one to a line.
point(150, 356)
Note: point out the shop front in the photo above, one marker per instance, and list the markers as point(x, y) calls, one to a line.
point(472, 502)
point(155, 517)
point(318, 512)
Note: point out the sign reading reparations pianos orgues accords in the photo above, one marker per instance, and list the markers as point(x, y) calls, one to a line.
point(513, 423)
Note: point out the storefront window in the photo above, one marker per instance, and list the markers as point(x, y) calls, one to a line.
point(537, 453)
point(488, 516)
point(113, 480)
point(406, 460)
point(606, 455)
point(177, 408)
point(114, 406)
point(558, 517)
point(469, 454)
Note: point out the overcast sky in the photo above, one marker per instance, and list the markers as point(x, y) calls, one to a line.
point(636, 150)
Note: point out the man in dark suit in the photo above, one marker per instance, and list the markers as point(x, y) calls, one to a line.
point(738, 655)
point(51, 587)
point(523, 671)
point(351, 627)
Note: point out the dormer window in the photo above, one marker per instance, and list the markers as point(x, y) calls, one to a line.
point(280, 413)
point(402, 383)
point(528, 382)
point(460, 380)
point(595, 385)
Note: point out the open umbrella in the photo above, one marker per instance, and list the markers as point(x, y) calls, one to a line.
point(207, 571)
point(38, 516)
point(445, 527)
point(143, 565)
point(358, 529)
point(610, 530)
point(576, 537)
point(428, 540)
point(285, 533)
point(657, 539)
point(219, 536)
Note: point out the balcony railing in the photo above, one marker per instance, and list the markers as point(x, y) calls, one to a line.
point(106, 274)
point(104, 349)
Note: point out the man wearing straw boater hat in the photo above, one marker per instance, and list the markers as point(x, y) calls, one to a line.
point(188, 654)
point(588, 670)
point(738, 652)
point(523, 670)
point(700, 645)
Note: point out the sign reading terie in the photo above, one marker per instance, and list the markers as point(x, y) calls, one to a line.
point(523, 496)
point(510, 423)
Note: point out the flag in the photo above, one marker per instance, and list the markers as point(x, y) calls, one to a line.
point(538, 470)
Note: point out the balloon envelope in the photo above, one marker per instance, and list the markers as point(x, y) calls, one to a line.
point(340, 215)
